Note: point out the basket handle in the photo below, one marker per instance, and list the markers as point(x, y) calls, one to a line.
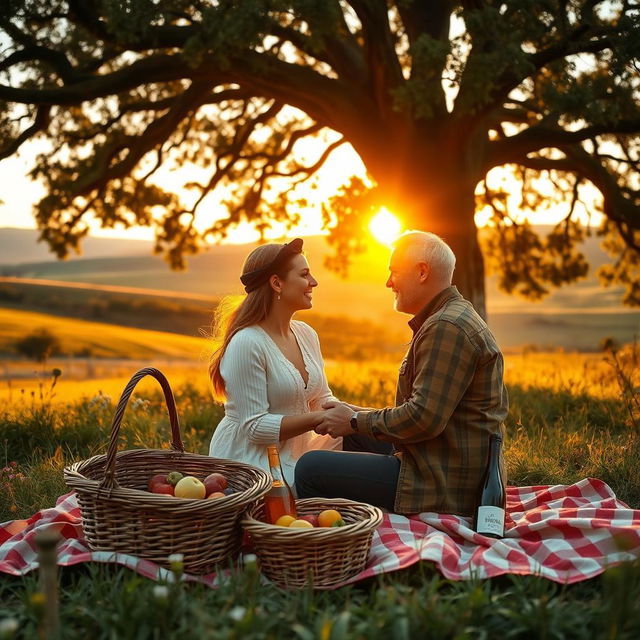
point(109, 480)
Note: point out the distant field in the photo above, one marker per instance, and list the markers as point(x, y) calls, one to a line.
point(576, 316)
point(18, 394)
point(342, 337)
point(99, 339)
point(572, 331)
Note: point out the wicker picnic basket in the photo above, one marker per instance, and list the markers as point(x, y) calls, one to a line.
point(321, 557)
point(119, 514)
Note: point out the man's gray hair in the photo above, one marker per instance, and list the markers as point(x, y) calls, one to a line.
point(422, 246)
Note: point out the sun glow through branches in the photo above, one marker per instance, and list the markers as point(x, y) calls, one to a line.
point(385, 227)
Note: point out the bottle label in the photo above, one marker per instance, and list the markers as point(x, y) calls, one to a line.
point(490, 520)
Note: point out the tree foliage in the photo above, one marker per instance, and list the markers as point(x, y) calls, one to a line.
point(432, 96)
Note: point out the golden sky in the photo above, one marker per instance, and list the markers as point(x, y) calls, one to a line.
point(19, 193)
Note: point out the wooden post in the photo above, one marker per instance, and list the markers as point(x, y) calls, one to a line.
point(47, 542)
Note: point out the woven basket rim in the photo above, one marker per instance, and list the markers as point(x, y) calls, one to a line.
point(372, 522)
point(79, 482)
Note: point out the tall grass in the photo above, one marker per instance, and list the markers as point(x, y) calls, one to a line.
point(105, 602)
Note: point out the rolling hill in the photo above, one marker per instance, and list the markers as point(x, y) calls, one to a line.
point(573, 317)
point(83, 338)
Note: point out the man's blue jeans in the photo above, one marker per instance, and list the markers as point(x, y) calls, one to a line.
point(364, 471)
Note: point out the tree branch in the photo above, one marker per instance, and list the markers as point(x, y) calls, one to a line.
point(40, 123)
point(57, 60)
point(309, 171)
point(380, 56)
point(584, 38)
point(513, 148)
point(618, 208)
point(330, 102)
point(158, 131)
point(340, 51)
point(156, 68)
point(298, 134)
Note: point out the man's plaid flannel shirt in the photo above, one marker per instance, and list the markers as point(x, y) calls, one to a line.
point(450, 398)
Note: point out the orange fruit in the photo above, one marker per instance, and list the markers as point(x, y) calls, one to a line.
point(284, 521)
point(300, 524)
point(327, 517)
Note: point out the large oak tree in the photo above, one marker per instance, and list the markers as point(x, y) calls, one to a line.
point(432, 95)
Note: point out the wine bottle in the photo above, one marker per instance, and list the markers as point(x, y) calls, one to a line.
point(279, 500)
point(490, 504)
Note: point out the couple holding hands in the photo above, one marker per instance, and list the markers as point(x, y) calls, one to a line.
point(427, 453)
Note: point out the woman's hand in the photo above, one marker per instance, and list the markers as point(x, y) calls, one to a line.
point(355, 407)
point(335, 420)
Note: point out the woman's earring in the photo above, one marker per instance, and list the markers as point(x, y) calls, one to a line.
point(278, 297)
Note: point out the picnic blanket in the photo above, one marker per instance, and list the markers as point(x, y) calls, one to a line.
point(565, 533)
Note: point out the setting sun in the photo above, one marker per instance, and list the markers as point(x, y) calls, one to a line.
point(385, 227)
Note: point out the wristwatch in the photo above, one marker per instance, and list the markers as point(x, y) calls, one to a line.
point(354, 421)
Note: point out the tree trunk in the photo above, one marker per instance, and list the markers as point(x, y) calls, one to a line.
point(469, 273)
point(448, 211)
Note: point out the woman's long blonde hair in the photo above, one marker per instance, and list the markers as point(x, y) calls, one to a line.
point(233, 313)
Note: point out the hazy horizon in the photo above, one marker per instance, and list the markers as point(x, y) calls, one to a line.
point(575, 316)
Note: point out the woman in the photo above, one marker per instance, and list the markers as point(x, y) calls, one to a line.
point(269, 369)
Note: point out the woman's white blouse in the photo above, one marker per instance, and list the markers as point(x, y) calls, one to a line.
point(262, 387)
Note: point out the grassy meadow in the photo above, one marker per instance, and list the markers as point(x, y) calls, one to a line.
point(571, 416)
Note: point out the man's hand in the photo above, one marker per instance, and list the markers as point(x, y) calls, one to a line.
point(335, 420)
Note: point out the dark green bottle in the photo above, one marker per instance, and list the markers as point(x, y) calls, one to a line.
point(490, 503)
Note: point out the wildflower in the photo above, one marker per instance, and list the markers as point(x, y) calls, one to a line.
point(37, 600)
point(176, 564)
point(100, 401)
point(237, 613)
point(176, 561)
point(8, 628)
point(140, 403)
point(250, 563)
point(160, 592)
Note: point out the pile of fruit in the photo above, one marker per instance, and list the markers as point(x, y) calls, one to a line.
point(174, 483)
point(326, 518)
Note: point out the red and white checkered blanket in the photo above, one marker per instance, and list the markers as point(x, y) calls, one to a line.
point(565, 533)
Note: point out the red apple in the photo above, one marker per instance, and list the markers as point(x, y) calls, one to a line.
point(216, 494)
point(215, 482)
point(160, 478)
point(162, 487)
point(311, 519)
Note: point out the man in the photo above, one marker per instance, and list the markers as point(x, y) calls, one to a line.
point(450, 398)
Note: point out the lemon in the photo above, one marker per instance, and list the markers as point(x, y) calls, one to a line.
point(284, 521)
